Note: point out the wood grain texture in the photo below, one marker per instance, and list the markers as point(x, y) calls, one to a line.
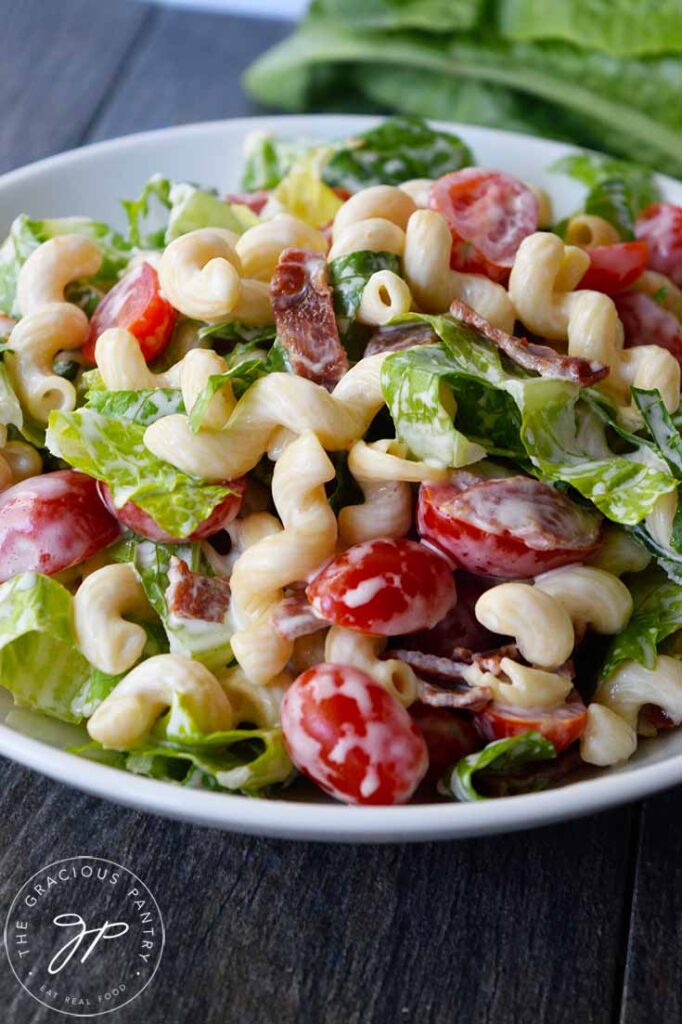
point(60, 59)
point(653, 973)
point(508, 930)
point(187, 68)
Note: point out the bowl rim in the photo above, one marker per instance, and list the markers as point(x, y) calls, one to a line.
point(325, 821)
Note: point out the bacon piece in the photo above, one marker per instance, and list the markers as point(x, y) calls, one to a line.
point(192, 596)
point(304, 316)
point(432, 665)
point(474, 698)
point(540, 358)
point(489, 661)
point(401, 336)
point(254, 200)
point(445, 670)
point(294, 617)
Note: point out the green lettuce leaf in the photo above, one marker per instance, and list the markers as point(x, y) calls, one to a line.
point(499, 758)
point(236, 332)
point(561, 429)
point(348, 276)
point(396, 150)
point(637, 184)
point(241, 376)
point(415, 384)
point(622, 28)
point(113, 450)
point(268, 158)
point(208, 642)
point(142, 407)
point(193, 208)
point(244, 760)
point(40, 662)
point(656, 616)
point(167, 209)
point(25, 235)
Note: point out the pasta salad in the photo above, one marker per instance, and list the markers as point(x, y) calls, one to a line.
point(366, 475)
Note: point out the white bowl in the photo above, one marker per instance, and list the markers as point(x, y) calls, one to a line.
point(90, 181)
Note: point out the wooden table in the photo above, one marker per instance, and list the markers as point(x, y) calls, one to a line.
point(576, 924)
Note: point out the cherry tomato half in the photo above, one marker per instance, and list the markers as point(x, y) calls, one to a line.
point(660, 225)
point(561, 726)
point(449, 736)
point(512, 527)
point(489, 214)
point(140, 522)
point(384, 587)
point(352, 737)
point(136, 304)
point(646, 322)
point(613, 268)
point(51, 522)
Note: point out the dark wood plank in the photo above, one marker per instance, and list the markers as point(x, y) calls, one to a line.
point(59, 61)
point(522, 928)
point(653, 976)
point(188, 70)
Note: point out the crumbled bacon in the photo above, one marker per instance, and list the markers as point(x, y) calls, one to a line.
point(540, 358)
point(449, 671)
point(474, 698)
point(304, 316)
point(294, 617)
point(394, 339)
point(192, 596)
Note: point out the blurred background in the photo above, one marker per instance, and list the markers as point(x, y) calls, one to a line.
point(602, 73)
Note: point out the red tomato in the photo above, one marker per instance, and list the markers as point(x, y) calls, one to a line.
point(254, 200)
point(511, 527)
point(139, 521)
point(352, 737)
point(646, 322)
point(613, 268)
point(136, 304)
point(384, 587)
point(561, 726)
point(489, 214)
point(459, 627)
point(661, 226)
point(51, 522)
point(449, 736)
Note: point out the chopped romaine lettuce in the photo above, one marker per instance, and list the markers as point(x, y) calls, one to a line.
point(241, 760)
point(193, 208)
point(113, 450)
point(563, 435)
point(180, 207)
point(208, 642)
point(40, 662)
point(657, 615)
point(142, 407)
point(416, 388)
point(497, 758)
point(26, 235)
point(398, 149)
point(268, 158)
point(348, 276)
